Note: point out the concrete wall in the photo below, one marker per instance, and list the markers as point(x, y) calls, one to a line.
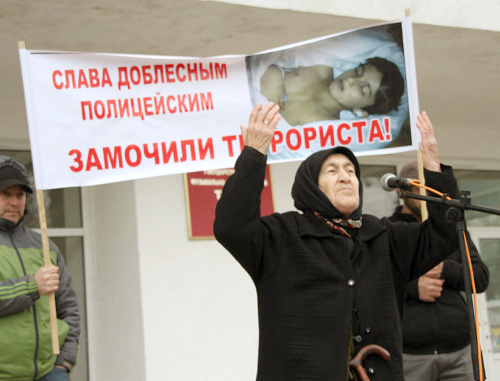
point(474, 14)
point(113, 280)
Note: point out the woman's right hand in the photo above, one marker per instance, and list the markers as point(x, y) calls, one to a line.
point(261, 127)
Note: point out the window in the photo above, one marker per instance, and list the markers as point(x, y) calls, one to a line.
point(485, 191)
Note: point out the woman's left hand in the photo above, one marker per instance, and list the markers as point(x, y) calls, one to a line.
point(428, 144)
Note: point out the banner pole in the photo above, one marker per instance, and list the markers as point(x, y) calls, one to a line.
point(46, 260)
point(421, 178)
point(46, 256)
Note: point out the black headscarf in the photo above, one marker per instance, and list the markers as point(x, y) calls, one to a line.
point(305, 191)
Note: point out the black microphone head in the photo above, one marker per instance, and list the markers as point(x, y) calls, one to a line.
point(384, 181)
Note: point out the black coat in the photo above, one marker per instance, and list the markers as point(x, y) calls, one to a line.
point(441, 326)
point(316, 288)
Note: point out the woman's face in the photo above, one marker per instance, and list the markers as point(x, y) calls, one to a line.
point(356, 88)
point(338, 181)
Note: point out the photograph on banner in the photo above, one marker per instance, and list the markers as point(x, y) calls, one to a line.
point(350, 89)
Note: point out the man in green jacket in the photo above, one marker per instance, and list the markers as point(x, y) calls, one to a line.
point(25, 332)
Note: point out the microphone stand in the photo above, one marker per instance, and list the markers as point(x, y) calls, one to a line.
point(456, 213)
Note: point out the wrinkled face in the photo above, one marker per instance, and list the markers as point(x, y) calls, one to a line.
point(356, 88)
point(13, 203)
point(337, 179)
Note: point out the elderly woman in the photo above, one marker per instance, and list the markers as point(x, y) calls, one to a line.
point(329, 280)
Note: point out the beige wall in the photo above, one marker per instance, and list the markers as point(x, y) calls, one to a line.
point(113, 283)
point(473, 14)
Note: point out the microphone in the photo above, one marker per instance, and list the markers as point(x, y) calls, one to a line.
point(389, 182)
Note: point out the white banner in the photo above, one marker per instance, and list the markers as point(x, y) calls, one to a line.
point(101, 118)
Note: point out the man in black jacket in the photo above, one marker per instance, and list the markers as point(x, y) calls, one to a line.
point(329, 280)
point(436, 334)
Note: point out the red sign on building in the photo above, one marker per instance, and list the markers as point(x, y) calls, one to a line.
point(203, 190)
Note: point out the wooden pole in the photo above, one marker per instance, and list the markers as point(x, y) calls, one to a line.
point(46, 260)
point(423, 204)
point(46, 256)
